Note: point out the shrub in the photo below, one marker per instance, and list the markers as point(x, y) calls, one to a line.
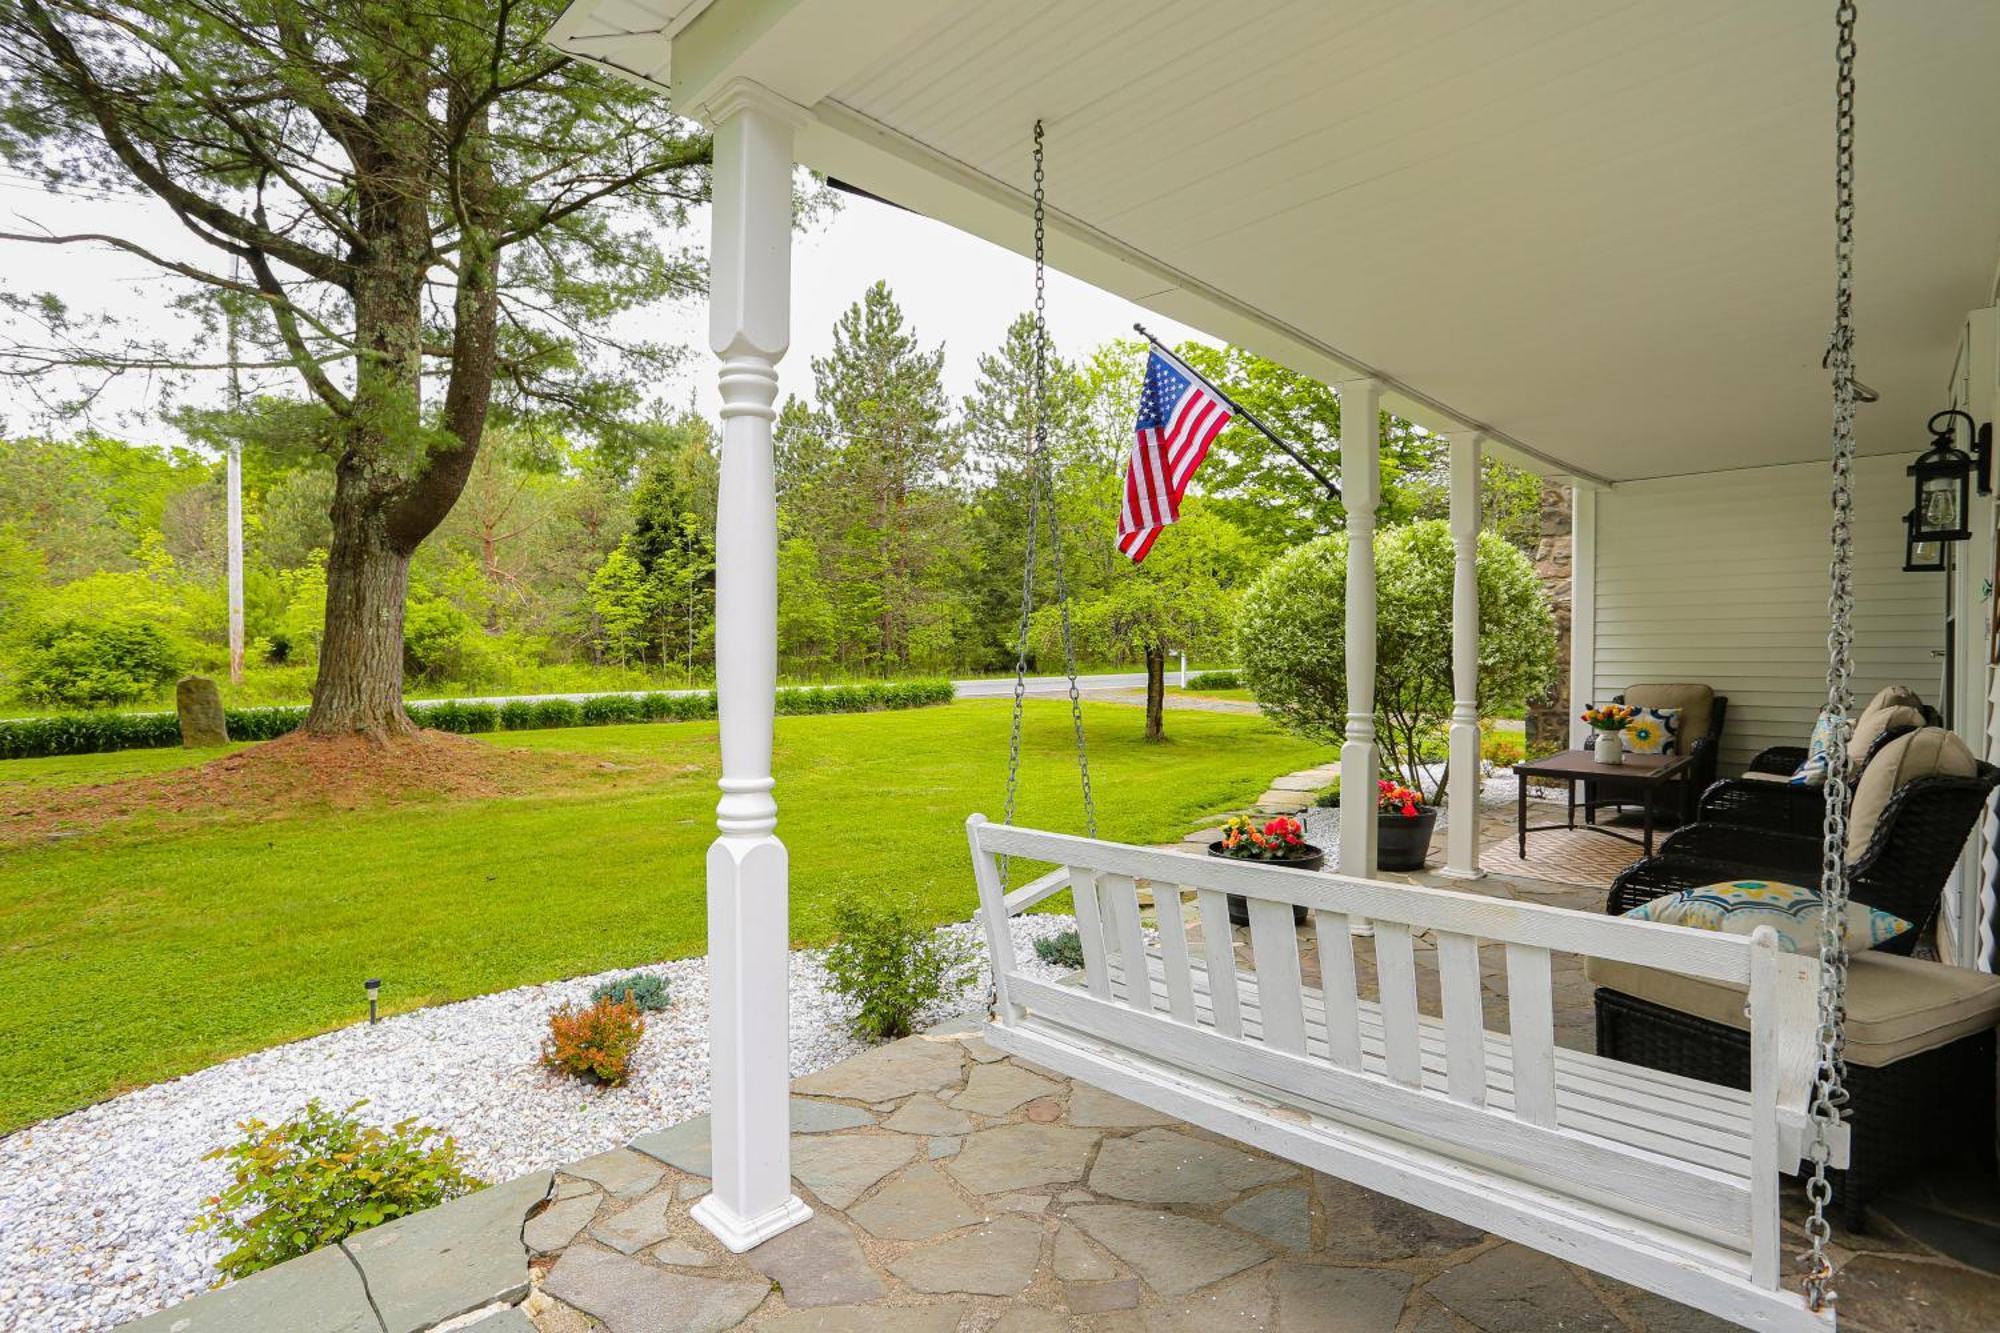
point(604, 709)
point(517, 715)
point(556, 713)
point(1214, 680)
point(320, 1177)
point(1064, 950)
point(263, 724)
point(1290, 637)
point(596, 1043)
point(1328, 797)
point(655, 707)
point(96, 663)
point(1502, 749)
point(647, 990)
point(891, 968)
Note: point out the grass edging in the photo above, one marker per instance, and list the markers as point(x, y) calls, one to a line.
point(98, 733)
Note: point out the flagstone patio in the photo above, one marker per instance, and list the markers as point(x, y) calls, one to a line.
point(957, 1191)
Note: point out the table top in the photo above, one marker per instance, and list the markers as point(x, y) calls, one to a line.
point(1583, 764)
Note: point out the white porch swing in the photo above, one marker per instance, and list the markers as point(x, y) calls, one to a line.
point(1666, 1182)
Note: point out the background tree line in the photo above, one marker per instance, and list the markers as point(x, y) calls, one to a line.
point(590, 562)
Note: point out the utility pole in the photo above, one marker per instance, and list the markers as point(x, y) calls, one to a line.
point(235, 485)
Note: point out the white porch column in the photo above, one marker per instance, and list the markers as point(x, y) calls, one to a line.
point(1461, 858)
point(1361, 492)
point(748, 939)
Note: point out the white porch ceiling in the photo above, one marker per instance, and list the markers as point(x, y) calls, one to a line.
point(1601, 230)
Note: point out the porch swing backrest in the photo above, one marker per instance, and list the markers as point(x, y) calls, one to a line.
point(1666, 1182)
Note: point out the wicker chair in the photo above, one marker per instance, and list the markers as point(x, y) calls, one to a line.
point(1778, 807)
point(1899, 1109)
point(1676, 804)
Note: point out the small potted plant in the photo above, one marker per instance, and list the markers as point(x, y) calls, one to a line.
point(1403, 825)
point(1280, 840)
point(1607, 720)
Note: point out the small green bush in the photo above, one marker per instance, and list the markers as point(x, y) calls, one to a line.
point(1064, 950)
point(260, 724)
point(595, 1043)
point(1502, 749)
point(556, 713)
point(605, 709)
point(320, 1177)
point(517, 715)
point(96, 663)
point(892, 968)
point(647, 990)
point(1214, 680)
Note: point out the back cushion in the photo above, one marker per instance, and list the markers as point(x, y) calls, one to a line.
point(1870, 728)
point(1893, 696)
point(1696, 702)
point(1930, 752)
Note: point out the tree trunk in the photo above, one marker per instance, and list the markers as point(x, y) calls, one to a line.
point(359, 689)
point(1156, 691)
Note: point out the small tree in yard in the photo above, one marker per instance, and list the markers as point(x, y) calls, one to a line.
point(417, 210)
point(1291, 638)
point(1181, 597)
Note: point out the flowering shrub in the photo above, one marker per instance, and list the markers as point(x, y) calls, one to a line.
point(320, 1177)
point(1609, 717)
point(596, 1043)
point(1393, 798)
point(1278, 839)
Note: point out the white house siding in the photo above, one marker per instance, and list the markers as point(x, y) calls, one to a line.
point(1721, 578)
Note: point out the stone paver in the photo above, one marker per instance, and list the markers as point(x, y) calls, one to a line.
point(631, 1296)
point(916, 1206)
point(432, 1266)
point(928, 1115)
point(1014, 1157)
point(1364, 1227)
point(1101, 1297)
point(1077, 1260)
point(1281, 1216)
point(622, 1173)
point(685, 1147)
point(997, 1259)
point(840, 1168)
point(1175, 1254)
point(911, 1065)
point(680, 1254)
point(813, 1116)
point(557, 1225)
point(637, 1225)
point(994, 1090)
point(1162, 1166)
point(874, 1319)
point(318, 1293)
point(819, 1263)
point(1513, 1289)
point(1094, 1108)
point(1315, 1299)
point(509, 1320)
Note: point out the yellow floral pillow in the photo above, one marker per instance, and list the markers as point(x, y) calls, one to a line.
point(1653, 731)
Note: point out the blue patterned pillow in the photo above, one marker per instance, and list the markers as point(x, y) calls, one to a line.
point(1653, 731)
point(1739, 906)
point(1812, 773)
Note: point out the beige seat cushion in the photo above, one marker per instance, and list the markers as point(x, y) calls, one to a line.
point(1769, 777)
point(1926, 753)
point(1896, 1007)
point(1893, 696)
point(1870, 728)
point(1696, 702)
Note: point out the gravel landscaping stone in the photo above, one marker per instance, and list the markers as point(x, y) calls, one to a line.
point(95, 1205)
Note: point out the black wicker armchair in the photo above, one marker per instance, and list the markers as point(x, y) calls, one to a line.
point(1776, 807)
point(1674, 804)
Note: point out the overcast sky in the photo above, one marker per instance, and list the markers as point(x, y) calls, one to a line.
point(954, 288)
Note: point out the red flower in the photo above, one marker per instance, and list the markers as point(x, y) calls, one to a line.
point(1409, 811)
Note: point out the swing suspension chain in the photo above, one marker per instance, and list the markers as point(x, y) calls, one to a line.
point(1040, 483)
point(1829, 1087)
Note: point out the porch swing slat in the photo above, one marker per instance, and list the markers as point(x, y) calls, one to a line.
point(1168, 909)
point(1219, 955)
point(1464, 1017)
point(1531, 1022)
point(1090, 930)
point(1275, 945)
point(1118, 901)
point(1342, 1019)
point(1396, 974)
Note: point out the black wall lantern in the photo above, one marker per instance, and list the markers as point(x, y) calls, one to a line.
point(1921, 555)
point(1944, 476)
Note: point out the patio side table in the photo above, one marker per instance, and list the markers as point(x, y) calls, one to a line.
point(1645, 772)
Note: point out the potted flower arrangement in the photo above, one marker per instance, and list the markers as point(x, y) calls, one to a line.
point(1280, 840)
point(1607, 720)
point(1403, 825)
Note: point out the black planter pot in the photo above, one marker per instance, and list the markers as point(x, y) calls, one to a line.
point(1402, 844)
point(1309, 858)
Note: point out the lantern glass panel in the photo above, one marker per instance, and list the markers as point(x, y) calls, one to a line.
point(1938, 504)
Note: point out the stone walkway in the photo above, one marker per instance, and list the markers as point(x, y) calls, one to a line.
point(957, 1191)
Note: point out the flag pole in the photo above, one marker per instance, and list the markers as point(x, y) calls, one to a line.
point(1248, 419)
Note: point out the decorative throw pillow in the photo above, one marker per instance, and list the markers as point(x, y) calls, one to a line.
point(1739, 906)
point(1653, 731)
point(1812, 773)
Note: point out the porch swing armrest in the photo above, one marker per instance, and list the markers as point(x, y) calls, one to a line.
point(1035, 890)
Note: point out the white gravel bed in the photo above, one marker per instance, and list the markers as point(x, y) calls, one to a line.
point(95, 1206)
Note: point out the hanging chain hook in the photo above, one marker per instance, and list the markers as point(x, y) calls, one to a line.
point(1829, 1097)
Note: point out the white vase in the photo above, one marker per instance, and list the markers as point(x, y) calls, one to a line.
point(1610, 748)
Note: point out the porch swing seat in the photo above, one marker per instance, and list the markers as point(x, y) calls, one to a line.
point(1666, 1182)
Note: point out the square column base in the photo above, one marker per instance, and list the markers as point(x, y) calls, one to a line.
point(738, 1234)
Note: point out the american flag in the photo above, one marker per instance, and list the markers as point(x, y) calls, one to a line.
point(1179, 417)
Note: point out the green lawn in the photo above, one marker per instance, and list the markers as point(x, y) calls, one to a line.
point(134, 954)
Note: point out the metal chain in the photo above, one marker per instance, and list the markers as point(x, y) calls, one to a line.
point(1041, 479)
point(1830, 1086)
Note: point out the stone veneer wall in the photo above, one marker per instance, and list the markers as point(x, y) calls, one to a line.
point(1548, 717)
